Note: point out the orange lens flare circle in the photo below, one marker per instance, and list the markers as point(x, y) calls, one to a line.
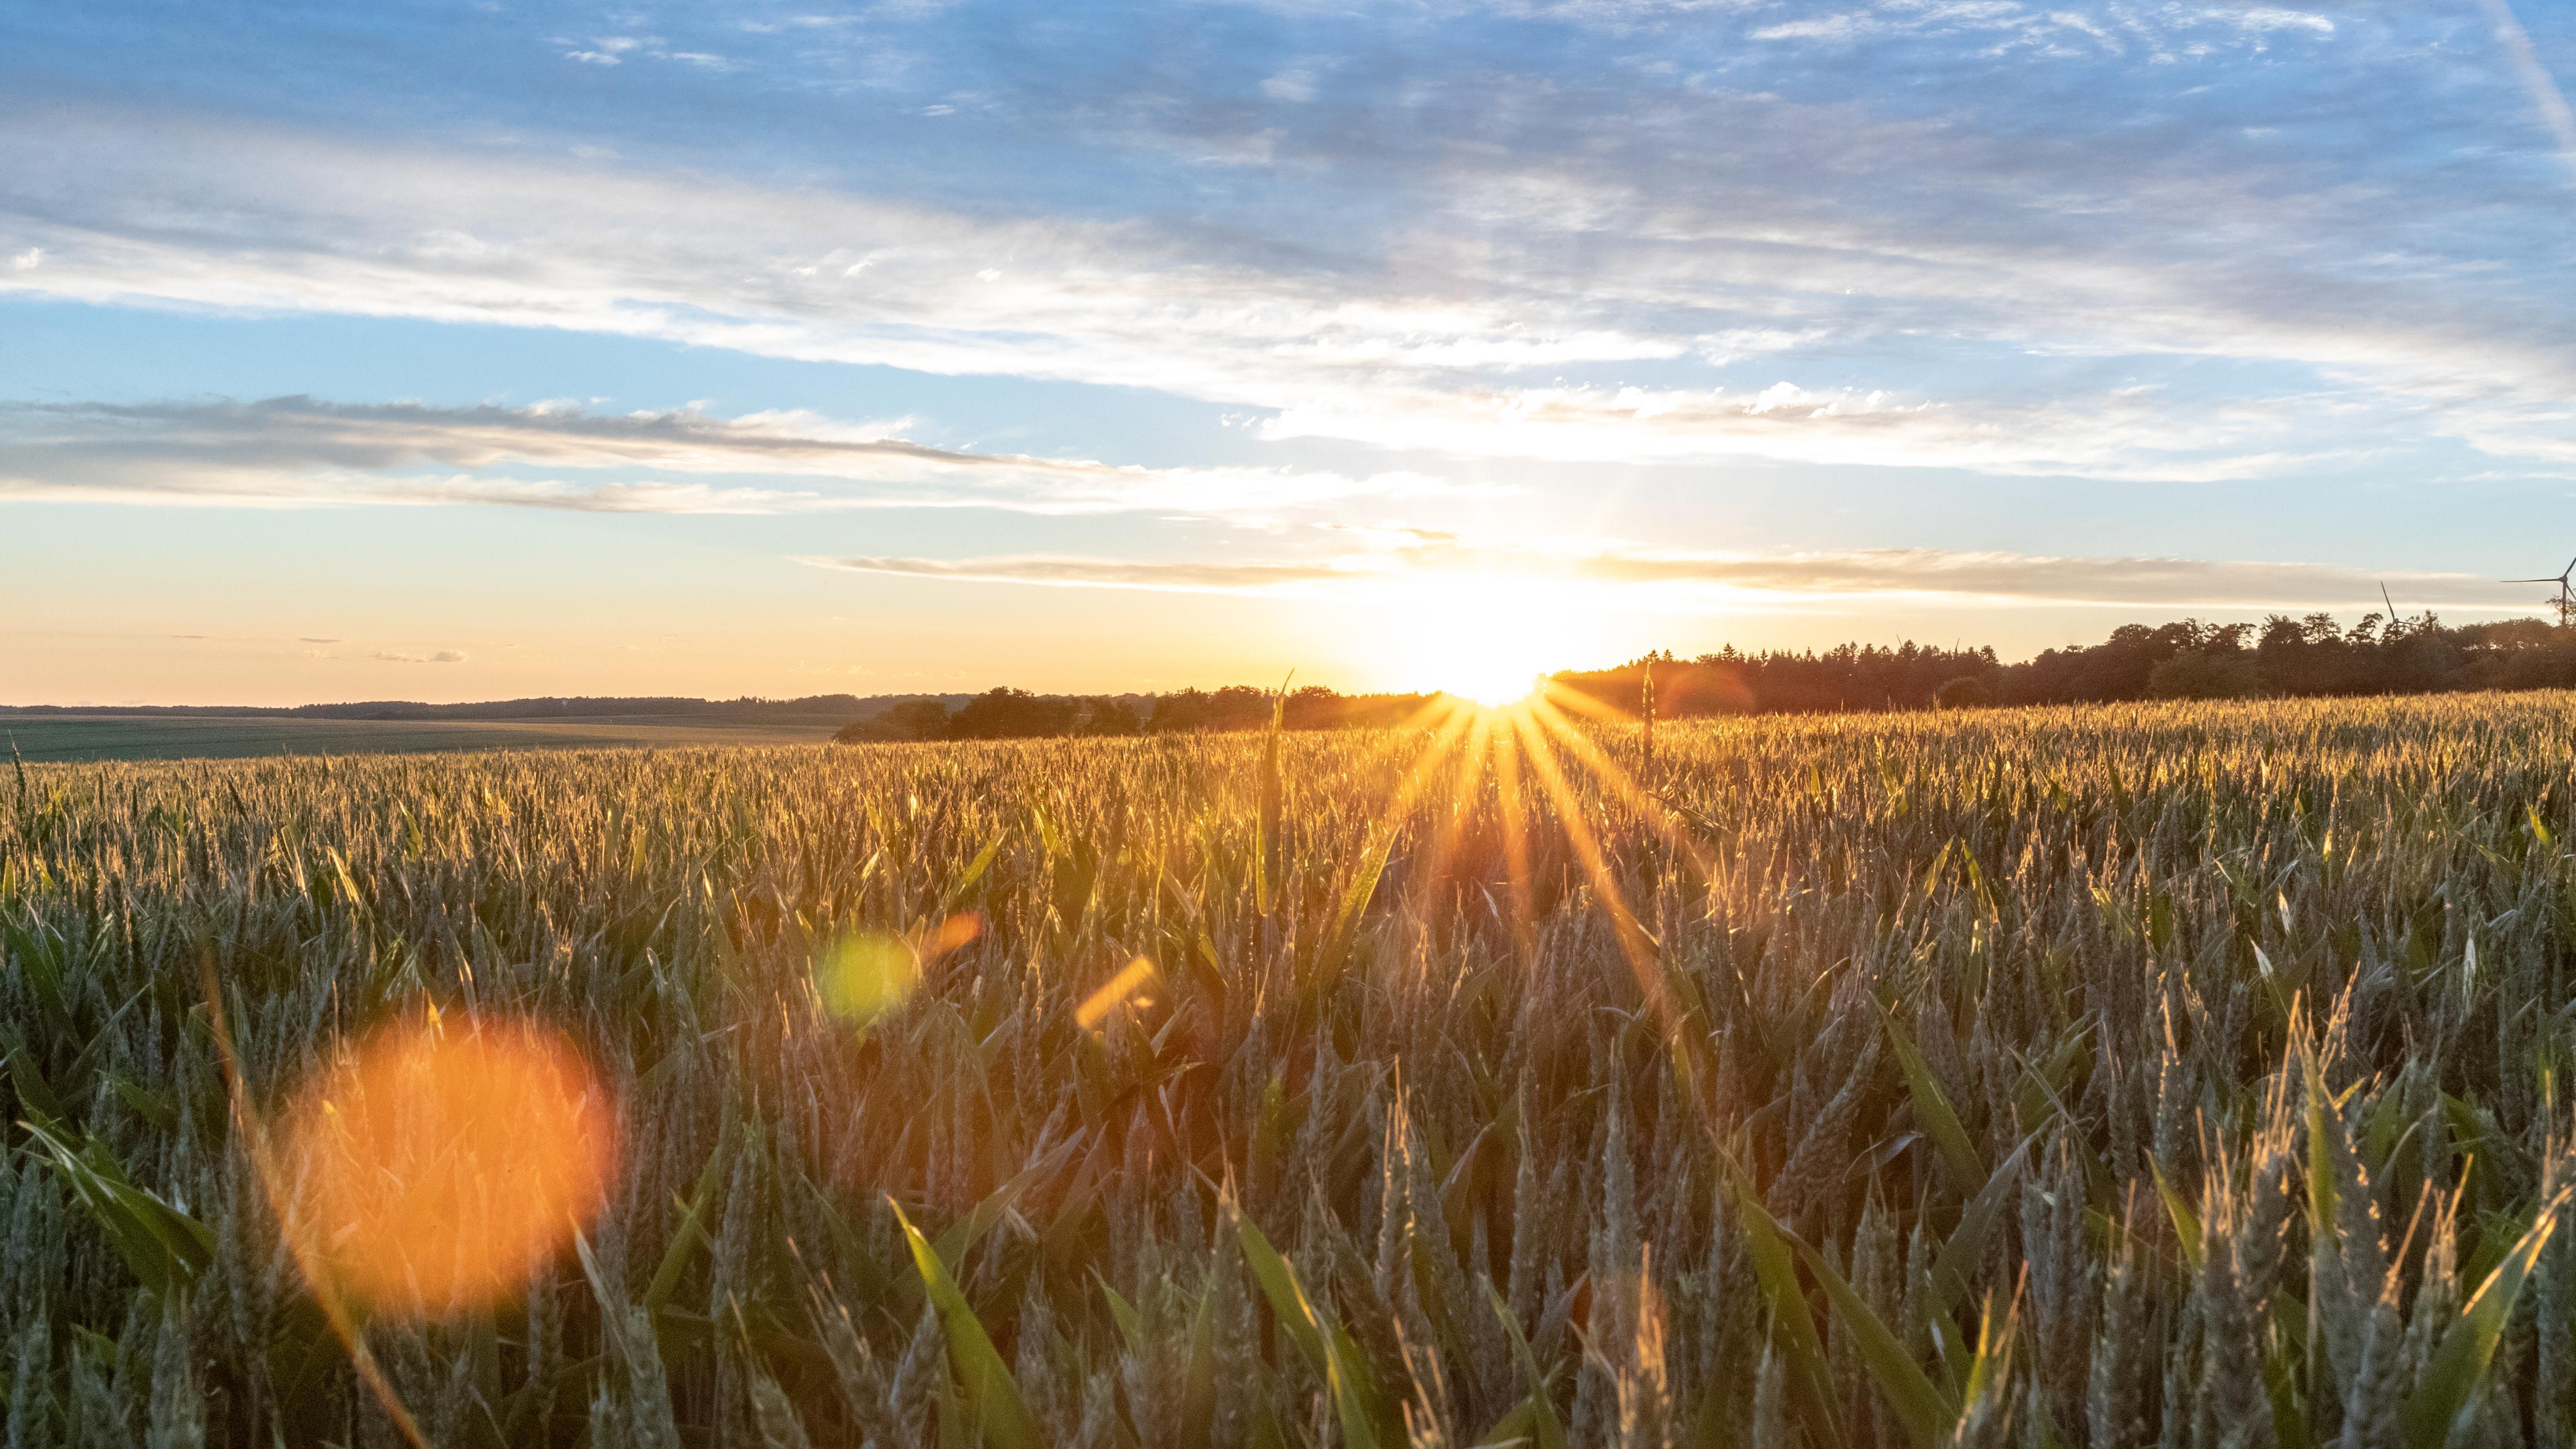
point(439, 1165)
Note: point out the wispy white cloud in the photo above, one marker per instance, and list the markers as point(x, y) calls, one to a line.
point(1103, 573)
point(295, 451)
point(2041, 29)
point(399, 656)
point(1294, 84)
point(1524, 264)
point(609, 50)
point(2546, 97)
point(2122, 435)
point(1629, 576)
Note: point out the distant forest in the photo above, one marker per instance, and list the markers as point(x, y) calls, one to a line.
point(2282, 657)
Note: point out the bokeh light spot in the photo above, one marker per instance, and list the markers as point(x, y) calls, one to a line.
point(439, 1165)
point(870, 974)
point(866, 976)
point(1114, 992)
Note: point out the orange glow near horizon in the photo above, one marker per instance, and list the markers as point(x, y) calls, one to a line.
point(438, 1165)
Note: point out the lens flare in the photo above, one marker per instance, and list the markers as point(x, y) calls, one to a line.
point(866, 976)
point(436, 1167)
point(869, 974)
point(1114, 992)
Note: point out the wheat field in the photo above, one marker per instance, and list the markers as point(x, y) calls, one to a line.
point(2178, 1075)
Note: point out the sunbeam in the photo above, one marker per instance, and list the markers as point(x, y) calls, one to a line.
point(1645, 803)
point(1532, 739)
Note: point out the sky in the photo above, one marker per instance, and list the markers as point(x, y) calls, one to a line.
point(457, 351)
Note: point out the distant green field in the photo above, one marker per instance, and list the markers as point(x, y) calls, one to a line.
point(165, 737)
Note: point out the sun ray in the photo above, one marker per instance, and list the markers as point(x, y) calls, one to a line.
point(1694, 1060)
point(1445, 718)
point(1507, 803)
point(1435, 713)
point(1582, 703)
point(1661, 816)
point(1634, 943)
point(1425, 765)
point(1463, 786)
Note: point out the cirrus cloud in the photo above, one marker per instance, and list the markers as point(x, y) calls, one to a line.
point(301, 451)
point(399, 656)
point(1632, 576)
point(1518, 276)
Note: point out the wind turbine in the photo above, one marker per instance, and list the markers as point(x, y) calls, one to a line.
point(2565, 603)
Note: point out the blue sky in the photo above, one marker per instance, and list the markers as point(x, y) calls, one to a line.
point(469, 350)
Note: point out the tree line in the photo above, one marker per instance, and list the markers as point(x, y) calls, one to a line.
point(1004, 713)
point(2282, 657)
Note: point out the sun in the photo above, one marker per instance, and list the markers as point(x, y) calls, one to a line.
point(1486, 637)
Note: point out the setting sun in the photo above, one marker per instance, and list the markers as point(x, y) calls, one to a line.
point(1487, 637)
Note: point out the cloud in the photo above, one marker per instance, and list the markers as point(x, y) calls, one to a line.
point(2039, 579)
point(1983, 208)
point(2006, 24)
point(2266, 17)
point(395, 656)
point(1096, 573)
point(291, 451)
point(2536, 80)
point(264, 219)
point(1295, 84)
point(609, 50)
point(2120, 435)
point(1575, 243)
point(1624, 576)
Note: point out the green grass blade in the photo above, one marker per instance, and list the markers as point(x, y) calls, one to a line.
point(1926, 1413)
point(1131, 1324)
point(1545, 1429)
point(165, 1248)
point(966, 880)
point(1966, 1247)
point(1327, 1349)
point(2186, 1223)
point(991, 1391)
point(33, 1090)
point(1932, 1108)
point(1793, 1323)
point(690, 1232)
point(1287, 1297)
point(1355, 899)
point(2460, 1361)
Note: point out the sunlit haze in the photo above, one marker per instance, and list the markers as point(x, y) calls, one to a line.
point(471, 351)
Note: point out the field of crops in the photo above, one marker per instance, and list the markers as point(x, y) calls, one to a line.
point(2179, 1075)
